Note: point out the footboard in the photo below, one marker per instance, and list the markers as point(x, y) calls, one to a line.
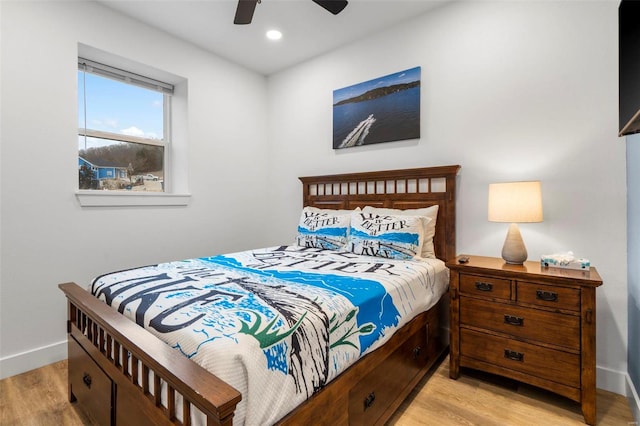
point(142, 383)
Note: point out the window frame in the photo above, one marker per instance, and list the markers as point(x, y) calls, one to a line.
point(94, 198)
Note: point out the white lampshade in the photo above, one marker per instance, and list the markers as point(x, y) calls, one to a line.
point(515, 202)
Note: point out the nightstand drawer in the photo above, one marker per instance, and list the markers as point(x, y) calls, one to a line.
point(485, 286)
point(549, 296)
point(527, 323)
point(549, 364)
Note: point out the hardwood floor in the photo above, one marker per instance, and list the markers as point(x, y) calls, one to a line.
point(478, 398)
point(39, 398)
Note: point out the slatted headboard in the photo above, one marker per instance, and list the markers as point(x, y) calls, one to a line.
point(399, 189)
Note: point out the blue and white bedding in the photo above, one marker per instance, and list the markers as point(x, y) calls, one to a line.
point(278, 323)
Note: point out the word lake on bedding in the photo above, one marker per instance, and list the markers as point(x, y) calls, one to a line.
point(277, 323)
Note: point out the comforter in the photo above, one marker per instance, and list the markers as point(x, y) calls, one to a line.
point(277, 323)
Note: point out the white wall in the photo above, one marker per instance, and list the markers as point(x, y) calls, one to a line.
point(46, 237)
point(510, 91)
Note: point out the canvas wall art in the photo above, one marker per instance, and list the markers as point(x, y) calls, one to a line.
point(385, 109)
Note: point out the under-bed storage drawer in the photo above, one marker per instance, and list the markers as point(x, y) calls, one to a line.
point(89, 384)
point(372, 395)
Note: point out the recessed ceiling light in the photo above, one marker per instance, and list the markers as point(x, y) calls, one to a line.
point(274, 35)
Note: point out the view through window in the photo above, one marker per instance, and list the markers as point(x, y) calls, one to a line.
point(123, 124)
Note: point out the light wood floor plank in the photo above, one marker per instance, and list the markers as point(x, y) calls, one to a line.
point(39, 398)
point(483, 399)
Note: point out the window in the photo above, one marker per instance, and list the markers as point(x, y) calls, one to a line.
point(123, 129)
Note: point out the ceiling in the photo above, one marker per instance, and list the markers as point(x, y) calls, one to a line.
point(308, 29)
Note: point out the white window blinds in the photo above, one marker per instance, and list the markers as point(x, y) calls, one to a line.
point(124, 76)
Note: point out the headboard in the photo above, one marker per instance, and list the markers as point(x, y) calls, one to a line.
point(399, 189)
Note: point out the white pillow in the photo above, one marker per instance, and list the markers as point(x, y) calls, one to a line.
point(389, 236)
point(323, 228)
point(428, 250)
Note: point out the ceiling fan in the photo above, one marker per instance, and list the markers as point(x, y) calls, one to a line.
point(245, 9)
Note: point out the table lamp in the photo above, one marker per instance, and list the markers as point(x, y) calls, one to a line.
point(515, 202)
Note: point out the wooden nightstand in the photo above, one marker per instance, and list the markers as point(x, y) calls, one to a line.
point(533, 324)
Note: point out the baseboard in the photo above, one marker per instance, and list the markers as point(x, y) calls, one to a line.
point(35, 358)
point(611, 380)
point(634, 400)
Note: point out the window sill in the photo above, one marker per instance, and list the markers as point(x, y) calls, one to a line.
point(130, 199)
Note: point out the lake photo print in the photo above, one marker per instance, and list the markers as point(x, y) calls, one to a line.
point(385, 109)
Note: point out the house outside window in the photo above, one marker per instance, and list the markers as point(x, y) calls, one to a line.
point(124, 129)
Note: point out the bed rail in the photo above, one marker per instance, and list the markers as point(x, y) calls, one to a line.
point(108, 337)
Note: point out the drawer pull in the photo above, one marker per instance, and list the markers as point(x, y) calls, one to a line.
point(369, 400)
point(588, 316)
point(513, 355)
point(482, 286)
point(416, 352)
point(547, 296)
point(86, 378)
point(512, 320)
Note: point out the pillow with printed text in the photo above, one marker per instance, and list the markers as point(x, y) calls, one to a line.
point(322, 228)
point(429, 230)
point(389, 236)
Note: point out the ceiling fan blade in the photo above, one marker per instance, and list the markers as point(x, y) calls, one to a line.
point(333, 6)
point(244, 11)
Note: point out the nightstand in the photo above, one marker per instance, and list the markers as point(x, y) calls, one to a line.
point(533, 324)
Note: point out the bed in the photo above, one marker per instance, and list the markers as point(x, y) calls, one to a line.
point(121, 373)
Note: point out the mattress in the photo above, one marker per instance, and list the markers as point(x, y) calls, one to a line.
point(276, 323)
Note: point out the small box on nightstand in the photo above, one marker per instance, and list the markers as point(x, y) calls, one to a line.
point(564, 261)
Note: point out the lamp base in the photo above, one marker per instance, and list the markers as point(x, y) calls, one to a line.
point(513, 250)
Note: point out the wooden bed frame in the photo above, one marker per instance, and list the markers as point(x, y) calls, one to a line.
point(115, 365)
